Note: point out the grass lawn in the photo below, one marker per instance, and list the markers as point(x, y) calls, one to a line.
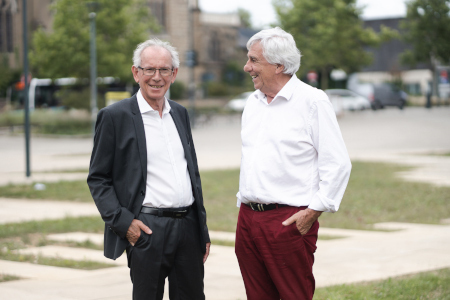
point(429, 285)
point(373, 195)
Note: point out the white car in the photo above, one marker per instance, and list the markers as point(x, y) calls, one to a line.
point(238, 103)
point(347, 100)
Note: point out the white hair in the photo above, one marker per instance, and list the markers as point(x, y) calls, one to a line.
point(278, 48)
point(155, 42)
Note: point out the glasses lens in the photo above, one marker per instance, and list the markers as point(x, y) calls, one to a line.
point(165, 72)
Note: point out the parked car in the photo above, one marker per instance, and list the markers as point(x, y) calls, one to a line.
point(386, 95)
point(238, 102)
point(343, 99)
point(379, 95)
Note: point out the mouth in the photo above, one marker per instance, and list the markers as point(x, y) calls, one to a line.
point(156, 86)
point(254, 76)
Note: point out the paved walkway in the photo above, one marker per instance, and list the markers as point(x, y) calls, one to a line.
point(407, 137)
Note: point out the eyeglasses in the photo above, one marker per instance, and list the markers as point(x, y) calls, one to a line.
point(152, 71)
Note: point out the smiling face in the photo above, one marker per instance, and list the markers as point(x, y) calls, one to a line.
point(263, 73)
point(153, 88)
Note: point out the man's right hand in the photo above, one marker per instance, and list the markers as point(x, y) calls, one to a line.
point(134, 231)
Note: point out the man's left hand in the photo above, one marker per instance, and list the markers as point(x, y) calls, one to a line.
point(208, 245)
point(303, 219)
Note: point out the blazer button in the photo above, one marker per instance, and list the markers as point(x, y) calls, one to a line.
point(142, 193)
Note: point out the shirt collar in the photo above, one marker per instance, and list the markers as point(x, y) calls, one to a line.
point(144, 107)
point(286, 92)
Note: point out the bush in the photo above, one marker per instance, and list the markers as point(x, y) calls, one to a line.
point(50, 121)
point(177, 90)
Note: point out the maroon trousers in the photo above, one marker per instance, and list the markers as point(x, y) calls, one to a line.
point(276, 261)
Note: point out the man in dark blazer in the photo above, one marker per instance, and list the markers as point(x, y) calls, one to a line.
point(144, 179)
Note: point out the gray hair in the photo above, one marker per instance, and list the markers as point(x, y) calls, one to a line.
point(155, 42)
point(278, 48)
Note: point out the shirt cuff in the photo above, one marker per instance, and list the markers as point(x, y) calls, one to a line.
point(319, 204)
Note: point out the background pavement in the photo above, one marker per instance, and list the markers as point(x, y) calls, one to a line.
point(411, 136)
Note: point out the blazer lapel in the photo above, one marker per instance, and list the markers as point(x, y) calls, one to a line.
point(181, 128)
point(140, 135)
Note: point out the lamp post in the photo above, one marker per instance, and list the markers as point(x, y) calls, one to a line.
point(93, 62)
point(26, 98)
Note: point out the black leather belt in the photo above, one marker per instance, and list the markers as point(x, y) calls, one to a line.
point(178, 212)
point(264, 207)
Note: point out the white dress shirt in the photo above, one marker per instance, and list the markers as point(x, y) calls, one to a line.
point(168, 181)
point(292, 150)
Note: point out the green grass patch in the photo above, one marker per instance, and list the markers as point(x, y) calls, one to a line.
point(374, 194)
point(6, 277)
point(429, 285)
point(62, 190)
point(68, 224)
point(51, 121)
point(52, 261)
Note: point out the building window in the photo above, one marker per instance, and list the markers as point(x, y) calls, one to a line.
point(9, 32)
point(158, 10)
point(214, 47)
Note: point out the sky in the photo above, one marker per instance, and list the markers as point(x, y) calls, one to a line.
point(263, 13)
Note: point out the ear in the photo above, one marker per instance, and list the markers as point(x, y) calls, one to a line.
point(279, 69)
point(174, 75)
point(135, 71)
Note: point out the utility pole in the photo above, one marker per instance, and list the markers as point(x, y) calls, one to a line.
point(26, 98)
point(93, 55)
point(190, 62)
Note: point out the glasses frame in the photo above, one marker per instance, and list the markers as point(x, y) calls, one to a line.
point(144, 70)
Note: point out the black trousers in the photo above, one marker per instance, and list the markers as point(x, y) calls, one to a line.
point(173, 251)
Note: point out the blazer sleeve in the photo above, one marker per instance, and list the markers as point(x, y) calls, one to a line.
point(100, 178)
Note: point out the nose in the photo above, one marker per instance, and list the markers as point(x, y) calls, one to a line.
point(157, 76)
point(247, 67)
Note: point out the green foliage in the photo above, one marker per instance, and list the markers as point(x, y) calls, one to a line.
point(79, 98)
point(329, 34)
point(120, 26)
point(245, 17)
point(429, 285)
point(233, 74)
point(177, 90)
point(216, 89)
point(8, 76)
point(427, 29)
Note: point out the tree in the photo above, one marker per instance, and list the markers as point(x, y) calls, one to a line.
point(427, 29)
point(245, 17)
point(329, 34)
point(64, 52)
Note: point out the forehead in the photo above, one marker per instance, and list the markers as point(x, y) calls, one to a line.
point(156, 57)
point(256, 51)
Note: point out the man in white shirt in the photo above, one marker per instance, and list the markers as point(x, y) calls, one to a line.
point(294, 167)
point(144, 179)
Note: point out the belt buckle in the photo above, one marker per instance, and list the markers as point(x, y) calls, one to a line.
point(257, 207)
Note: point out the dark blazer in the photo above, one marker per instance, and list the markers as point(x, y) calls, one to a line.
point(118, 170)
